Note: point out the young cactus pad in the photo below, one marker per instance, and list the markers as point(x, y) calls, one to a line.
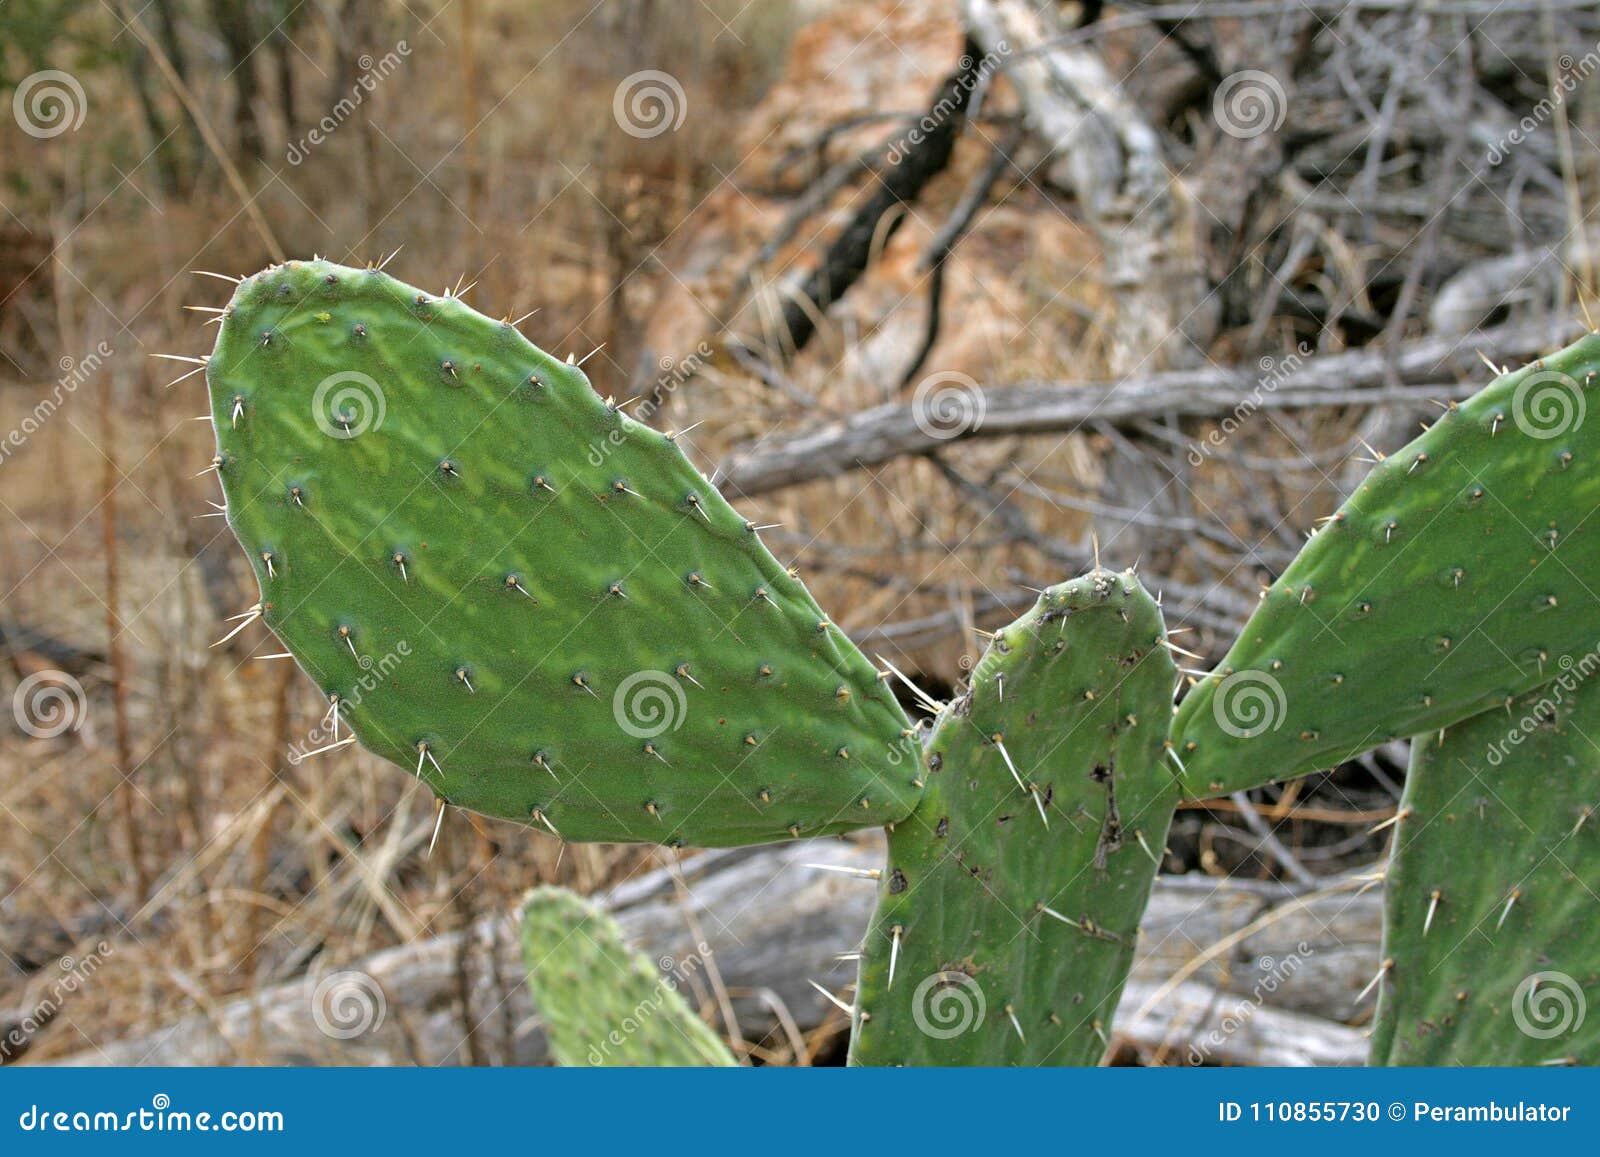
point(510, 587)
point(1489, 949)
point(602, 1003)
point(1455, 577)
point(1001, 936)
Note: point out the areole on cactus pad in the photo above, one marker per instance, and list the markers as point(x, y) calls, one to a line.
point(522, 595)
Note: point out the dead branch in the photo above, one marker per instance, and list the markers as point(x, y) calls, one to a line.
point(1431, 368)
point(918, 156)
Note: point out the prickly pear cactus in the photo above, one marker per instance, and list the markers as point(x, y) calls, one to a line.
point(601, 1002)
point(1489, 949)
point(1450, 581)
point(514, 590)
point(1011, 899)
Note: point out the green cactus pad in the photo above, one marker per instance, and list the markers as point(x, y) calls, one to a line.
point(602, 1003)
point(522, 594)
point(1489, 947)
point(1445, 585)
point(1000, 939)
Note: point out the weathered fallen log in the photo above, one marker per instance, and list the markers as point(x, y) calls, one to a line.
point(1198, 1024)
point(773, 923)
point(1430, 368)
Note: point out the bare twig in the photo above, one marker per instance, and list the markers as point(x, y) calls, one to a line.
point(1433, 368)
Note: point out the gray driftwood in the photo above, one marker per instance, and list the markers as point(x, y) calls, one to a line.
point(774, 923)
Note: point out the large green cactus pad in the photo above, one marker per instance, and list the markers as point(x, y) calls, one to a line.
point(1000, 939)
point(522, 594)
point(1450, 581)
point(602, 1003)
point(1491, 906)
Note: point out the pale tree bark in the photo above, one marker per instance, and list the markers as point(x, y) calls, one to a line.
point(1419, 372)
point(1103, 151)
